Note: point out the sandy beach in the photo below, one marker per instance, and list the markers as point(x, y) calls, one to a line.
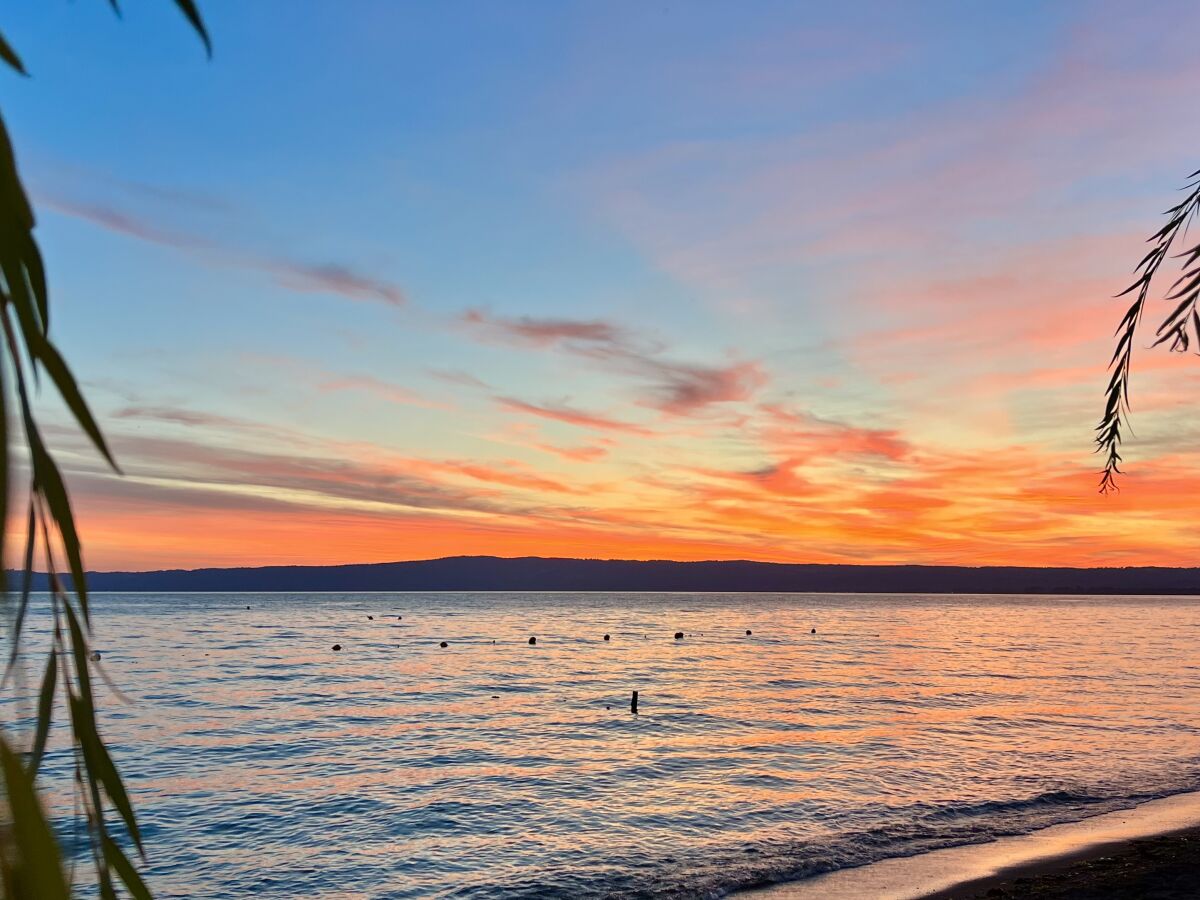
point(1158, 868)
point(1150, 851)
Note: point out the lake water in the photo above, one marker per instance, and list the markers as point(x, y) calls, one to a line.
point(264, 764)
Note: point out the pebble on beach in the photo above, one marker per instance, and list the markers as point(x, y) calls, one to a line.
point(337, 646)
point(679, 635)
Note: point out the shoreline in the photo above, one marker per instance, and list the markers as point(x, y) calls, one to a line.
point(974, 870)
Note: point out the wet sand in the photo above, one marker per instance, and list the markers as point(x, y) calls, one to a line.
point(1150, 851)
point(1158, 868)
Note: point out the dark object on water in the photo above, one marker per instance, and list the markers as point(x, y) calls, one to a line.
point(372, 618)
point(679, 635)
point(606, 637)
point(633, 703)
point(606, 706)
point(814, 631)
point(495, 696)
point(247, 607)
point(749, 632)
point(337, 646)
point(532, 641)
point(94, 656)
point(444, 645)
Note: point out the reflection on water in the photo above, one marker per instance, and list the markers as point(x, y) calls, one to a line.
point(265, 763)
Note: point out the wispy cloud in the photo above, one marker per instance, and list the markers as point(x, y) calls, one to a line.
point(561, 412)
point(393, 393)
point(672, 387)
point(459, 377)
point(305, 277)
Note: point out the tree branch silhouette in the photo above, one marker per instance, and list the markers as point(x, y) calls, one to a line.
point(1179, 328)
point(31, 860)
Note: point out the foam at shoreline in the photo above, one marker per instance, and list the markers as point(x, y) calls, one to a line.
point(928, 876)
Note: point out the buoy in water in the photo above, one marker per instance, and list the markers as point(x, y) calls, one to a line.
point(443, 645)
point(749, 632)
point(606, 637)
point(679, 635)
point(337, 646)
point(814, 631)
point(94, 656)
point(372, 618)
point(532, 641)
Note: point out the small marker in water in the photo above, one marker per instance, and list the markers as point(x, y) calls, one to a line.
point(532, 641)
point(337, 646)
point(606, 637)
point(814, 631)
point(633, 703)
point(749, 632)
point(444, 645)
point(95, 656)
point(679, 635)
point(372, 618)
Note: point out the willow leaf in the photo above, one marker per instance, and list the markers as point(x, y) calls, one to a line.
point(45, 712)
point(9, 55)
point(57, 369)
point(188, 8)
point(125, 871)
point(40, 872)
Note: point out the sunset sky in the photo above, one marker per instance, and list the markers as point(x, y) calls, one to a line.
point(797, 281)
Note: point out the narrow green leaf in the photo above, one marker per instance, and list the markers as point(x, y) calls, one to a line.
point(83, 716)
point(4, 484)
point(9, 55)
point(56, 367)
point(188, 8)
point(79, 654)
point(26, 584)
point(100, 766)
point(39, 867)
point(50, 483)
point(36, 270)
point(45, 712)
point(125, 871)
point(16, 215)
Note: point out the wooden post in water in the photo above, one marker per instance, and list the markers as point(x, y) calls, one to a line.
point(633, 703)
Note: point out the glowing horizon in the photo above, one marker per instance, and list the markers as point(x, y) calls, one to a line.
point(736, 284)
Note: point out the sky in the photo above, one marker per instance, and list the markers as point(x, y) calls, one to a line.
point(780, 281)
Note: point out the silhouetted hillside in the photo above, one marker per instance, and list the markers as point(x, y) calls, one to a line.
point(490, 573)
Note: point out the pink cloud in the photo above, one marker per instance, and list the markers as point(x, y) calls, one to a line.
point(571, 416)
point(388, 391)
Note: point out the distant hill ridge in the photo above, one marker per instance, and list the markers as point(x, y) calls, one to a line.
point(531, 573)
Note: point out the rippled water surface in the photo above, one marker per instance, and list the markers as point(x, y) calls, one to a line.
point(265, 764)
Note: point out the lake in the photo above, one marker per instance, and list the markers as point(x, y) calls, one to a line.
point(263, 763)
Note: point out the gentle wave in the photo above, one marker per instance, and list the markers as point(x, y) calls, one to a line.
point(263, 763)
